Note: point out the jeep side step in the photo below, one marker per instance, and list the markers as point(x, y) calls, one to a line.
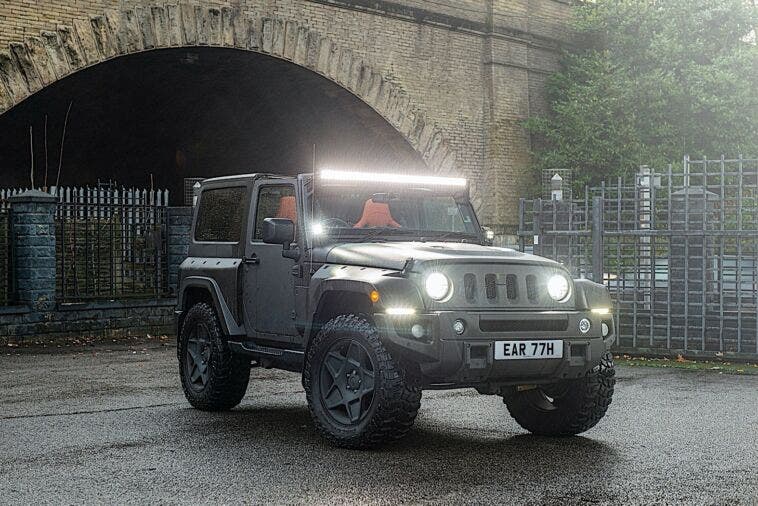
point(268, 357)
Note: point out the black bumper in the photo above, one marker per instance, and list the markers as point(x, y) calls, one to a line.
point(448, 359)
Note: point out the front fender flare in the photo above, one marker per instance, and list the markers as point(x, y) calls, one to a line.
point(590, 295)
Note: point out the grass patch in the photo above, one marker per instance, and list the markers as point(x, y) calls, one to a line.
point(716, 366)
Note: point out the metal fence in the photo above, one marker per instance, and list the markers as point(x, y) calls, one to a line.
point(678, 250)
point(5, 264)
point(111, 244)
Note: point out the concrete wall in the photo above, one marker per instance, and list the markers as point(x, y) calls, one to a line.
point(474, 69)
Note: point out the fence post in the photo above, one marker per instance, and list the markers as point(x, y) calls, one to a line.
point(33, 235)
point(537, 226)
point(598, 265)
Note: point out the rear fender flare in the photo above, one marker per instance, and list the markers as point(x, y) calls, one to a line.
point(228, 323)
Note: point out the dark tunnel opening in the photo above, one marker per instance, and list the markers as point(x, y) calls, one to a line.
point(193, 112)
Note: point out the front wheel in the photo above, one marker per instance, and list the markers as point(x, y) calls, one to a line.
point(358, 395)
point(568, 407)
point(213, 378)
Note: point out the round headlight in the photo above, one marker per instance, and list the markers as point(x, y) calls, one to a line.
point(558, 287)
point(437, 285)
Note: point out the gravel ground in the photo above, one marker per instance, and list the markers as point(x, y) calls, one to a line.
point(110, 425)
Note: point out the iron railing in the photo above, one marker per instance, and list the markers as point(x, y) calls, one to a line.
point(678, 250)
point(112, 246)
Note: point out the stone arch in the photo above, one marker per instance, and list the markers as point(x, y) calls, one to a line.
point(41, 60)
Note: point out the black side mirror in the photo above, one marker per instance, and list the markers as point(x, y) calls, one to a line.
point(278, 231)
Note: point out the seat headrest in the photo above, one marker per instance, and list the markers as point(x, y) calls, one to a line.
point(287, 208)
point(376, 214)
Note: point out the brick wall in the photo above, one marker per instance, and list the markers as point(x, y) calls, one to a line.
point(102, 320)
point(475, 68)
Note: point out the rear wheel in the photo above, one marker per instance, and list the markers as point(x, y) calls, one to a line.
point(358, 395)
point(568, 407)
point(213, 378)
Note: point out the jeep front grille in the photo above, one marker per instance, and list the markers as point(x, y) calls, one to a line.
point(505, 286)
point(533, 325)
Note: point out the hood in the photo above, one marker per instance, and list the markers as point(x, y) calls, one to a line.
point(393, 255)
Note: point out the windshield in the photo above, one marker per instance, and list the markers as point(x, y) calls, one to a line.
point(401, 215)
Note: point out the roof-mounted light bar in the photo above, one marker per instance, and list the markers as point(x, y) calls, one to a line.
point(381, 177)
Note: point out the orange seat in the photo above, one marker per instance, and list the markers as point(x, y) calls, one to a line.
point(287, 209)
point(376, 214)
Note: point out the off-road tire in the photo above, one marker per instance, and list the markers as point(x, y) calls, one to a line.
point(581, 406)
point(396, 399)
point(228, 373)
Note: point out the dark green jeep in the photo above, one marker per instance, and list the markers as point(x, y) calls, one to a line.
point(376, 287)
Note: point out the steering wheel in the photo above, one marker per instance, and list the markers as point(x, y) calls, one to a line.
point(335, 223)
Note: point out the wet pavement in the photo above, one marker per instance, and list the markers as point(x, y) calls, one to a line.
point(110, 425)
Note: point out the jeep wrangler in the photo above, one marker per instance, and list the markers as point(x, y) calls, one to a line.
point(375, 287)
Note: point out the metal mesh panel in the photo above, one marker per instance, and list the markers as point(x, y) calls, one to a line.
point(109, 248)
point(679, 253)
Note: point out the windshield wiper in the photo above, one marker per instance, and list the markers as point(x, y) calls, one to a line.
point(448, 235)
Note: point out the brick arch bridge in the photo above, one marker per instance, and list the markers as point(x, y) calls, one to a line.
point(455, 81)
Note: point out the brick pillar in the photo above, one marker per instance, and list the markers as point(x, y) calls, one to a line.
point(179, 225)
point(33, 236)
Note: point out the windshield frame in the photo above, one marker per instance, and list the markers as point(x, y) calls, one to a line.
point(461, 196)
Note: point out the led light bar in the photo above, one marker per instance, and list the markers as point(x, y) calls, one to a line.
point(381, 177)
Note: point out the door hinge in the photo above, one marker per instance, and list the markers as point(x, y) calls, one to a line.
point(251, 260)
point(297, 270)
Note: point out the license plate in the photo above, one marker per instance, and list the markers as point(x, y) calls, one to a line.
point(521, 350)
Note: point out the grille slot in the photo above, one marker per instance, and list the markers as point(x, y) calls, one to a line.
point(511, 288)
point(490, 284)
point(538, 325)
point(469, 285)
point(531, 287)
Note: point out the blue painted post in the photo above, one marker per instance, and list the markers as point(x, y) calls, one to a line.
point(33, 236)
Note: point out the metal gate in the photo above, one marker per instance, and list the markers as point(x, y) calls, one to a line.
point(678, 250)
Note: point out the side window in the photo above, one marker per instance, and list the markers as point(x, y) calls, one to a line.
point(274, 202)
point(219, 217)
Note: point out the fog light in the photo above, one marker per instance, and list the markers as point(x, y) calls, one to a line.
point(459, 327)
point(606, 330)
point(584, 325)
point(418, 331)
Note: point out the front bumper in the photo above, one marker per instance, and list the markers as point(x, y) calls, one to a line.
point(447, 359)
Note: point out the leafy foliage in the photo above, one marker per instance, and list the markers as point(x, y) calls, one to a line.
point(648, 82)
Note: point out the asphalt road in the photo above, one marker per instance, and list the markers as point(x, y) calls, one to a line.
point(110, 425)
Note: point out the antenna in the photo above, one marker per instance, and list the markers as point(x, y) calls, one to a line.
point(313, 204)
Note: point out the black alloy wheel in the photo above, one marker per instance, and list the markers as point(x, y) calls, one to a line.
point(197, 357)
point(347, 382)
point(213, 377)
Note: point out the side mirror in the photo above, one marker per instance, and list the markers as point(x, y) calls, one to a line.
point(278, 231)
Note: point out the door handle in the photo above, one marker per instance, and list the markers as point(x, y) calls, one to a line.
point(251, 260)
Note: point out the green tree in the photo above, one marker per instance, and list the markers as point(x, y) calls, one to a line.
point(649, 81)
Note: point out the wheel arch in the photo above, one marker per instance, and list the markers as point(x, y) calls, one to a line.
point(197, 289)
point(337, 299)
